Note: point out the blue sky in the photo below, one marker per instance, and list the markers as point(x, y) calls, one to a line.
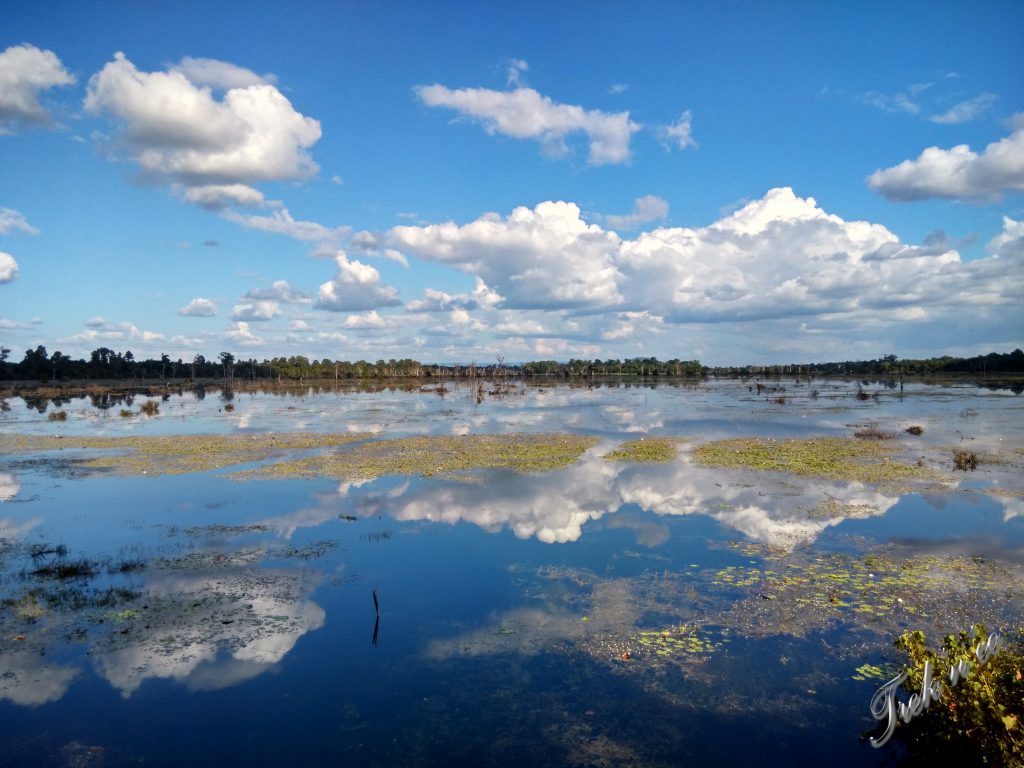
point(733, 182)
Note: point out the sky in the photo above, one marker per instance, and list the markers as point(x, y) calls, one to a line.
point(734, 182)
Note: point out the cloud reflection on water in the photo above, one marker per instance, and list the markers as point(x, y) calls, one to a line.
point(554, 507)
point(212, 631)
point(9, 486)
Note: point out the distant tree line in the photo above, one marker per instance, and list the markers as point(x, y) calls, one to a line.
point(104, 364)
point(888, 365)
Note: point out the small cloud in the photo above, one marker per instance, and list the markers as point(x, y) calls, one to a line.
point(12, 221)
point(199, 308)
point(221, 75)
point(241, 335)
point(645, 209)
point(258, 311)
point(896, 102)
point(214, 197)
point(8, 268)
point(526, 114)
point(336, 179)
point(355, 287)
point(365, 321)
point(516, 67)
point(967, 110)
point(25, 72)
point(281, 222)
point(280, 290)
point(617, 88)
point(678, 134)
point(211, 243)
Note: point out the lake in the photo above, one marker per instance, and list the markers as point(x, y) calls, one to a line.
point(494, 573)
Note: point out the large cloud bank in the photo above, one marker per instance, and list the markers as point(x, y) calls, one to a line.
point(780, 256)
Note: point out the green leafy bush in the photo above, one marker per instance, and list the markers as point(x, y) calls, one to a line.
point(979, 720)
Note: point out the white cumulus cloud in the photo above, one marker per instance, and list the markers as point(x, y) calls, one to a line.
point(240, 334)
point(753, 276)
point(8, 268)
point(256, 311)
point(199, 307)
point(524, 113)
point(1010, 242)
point(177, 130)
point(25, 72)
point(355, 287)
point(958, 173)
point(545, 257)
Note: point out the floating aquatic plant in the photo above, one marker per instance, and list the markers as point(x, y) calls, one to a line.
point(835, 458)
point(435, 455)
point(646, 449)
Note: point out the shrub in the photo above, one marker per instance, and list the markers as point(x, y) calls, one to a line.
point(915, 430)
point(978, 721)
point(58, 416)
point(965, 460)
point(150, 408)
point(872, 432)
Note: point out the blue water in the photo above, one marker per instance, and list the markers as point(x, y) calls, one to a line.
point(249, 633)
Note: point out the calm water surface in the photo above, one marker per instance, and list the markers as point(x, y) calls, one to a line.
point(609, 613)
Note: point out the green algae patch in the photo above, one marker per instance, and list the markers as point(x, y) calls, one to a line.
point(175, 454)
point(646, 449)
point(836, 458)
point(675, 641)
point(434, 455)
point(798, 594)
point(833, 509)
